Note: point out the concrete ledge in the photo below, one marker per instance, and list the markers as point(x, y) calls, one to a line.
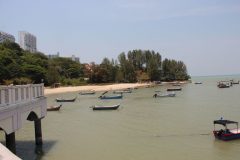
point(5, 154)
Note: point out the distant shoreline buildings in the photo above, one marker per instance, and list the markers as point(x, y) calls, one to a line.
point(6, 36)
point(73, 58)
point(28, 42)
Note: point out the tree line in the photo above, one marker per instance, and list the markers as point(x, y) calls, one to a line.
point(21, 67)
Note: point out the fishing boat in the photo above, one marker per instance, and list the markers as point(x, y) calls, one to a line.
point(113, 107)
point(174, 89)
point(122, 91)
point(87, 92)
point(54, 108)
point(111, 97)
point(167, 94)
point(226, 134)
point(223, 84)
point(65, 100)
point(234, 82)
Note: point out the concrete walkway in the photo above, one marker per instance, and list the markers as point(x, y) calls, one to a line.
point(5, 154)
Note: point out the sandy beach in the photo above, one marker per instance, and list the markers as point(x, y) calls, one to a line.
point(49, 91)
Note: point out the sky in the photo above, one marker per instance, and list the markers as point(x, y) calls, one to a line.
point(204, 34)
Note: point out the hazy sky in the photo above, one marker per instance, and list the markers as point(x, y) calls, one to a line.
point(205, 34)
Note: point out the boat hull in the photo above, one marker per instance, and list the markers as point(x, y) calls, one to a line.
point(65, 100)
point(106, 107)
point(111, 97)
point(226, 136)
point(124, 91)
point(167, 95)
point(87, 93)
point(174, 89)
point(54, 108)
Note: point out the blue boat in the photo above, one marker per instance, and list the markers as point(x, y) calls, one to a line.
point(226, 134)
point(111, 97)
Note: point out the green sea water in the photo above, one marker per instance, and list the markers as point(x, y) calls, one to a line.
point(143, 128)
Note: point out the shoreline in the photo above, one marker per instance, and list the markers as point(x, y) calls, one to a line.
point(107, 87)
point(118, 86)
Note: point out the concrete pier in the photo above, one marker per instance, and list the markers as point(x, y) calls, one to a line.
point(10, 142)
point(18, 104)
point(38, 132)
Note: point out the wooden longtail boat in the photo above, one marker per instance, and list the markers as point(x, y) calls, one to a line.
point(122, 91)
point(223, 85)
point(54, 108)
point(87, 93)
point(167, 94)
point(174, 89)
point(66, 100)
point(226, 134)
point(111, 97)
point(113, 107)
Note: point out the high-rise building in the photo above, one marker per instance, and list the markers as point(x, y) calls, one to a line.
point(27, 41)
point(5, 36)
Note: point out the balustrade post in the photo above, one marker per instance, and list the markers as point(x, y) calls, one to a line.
point(25, 93)
point(42, 89)
point(18, 94)
point(1, 97)
point(30, 92)
point(12, 95)
point(6, 92)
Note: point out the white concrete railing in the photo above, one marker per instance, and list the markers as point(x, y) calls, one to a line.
point(20, 93)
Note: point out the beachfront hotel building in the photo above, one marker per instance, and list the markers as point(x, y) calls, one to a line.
point(27, 41)
point(5, 36)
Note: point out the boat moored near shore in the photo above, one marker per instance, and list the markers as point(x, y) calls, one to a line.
point(113, 107)
point(122, 91)
point(54, 108)
point(65, 100)
point(167, 94)
point(111, 97)
point(87, 92)
point(174, 89)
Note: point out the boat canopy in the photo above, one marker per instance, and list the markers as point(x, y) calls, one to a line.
point(224, 122)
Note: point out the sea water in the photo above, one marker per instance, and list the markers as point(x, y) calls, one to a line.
point(143, 128)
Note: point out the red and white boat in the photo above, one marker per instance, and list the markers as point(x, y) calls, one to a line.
point(225, 133)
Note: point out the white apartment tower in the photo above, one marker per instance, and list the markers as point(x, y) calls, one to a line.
point(5, 36)
point(27, 41)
